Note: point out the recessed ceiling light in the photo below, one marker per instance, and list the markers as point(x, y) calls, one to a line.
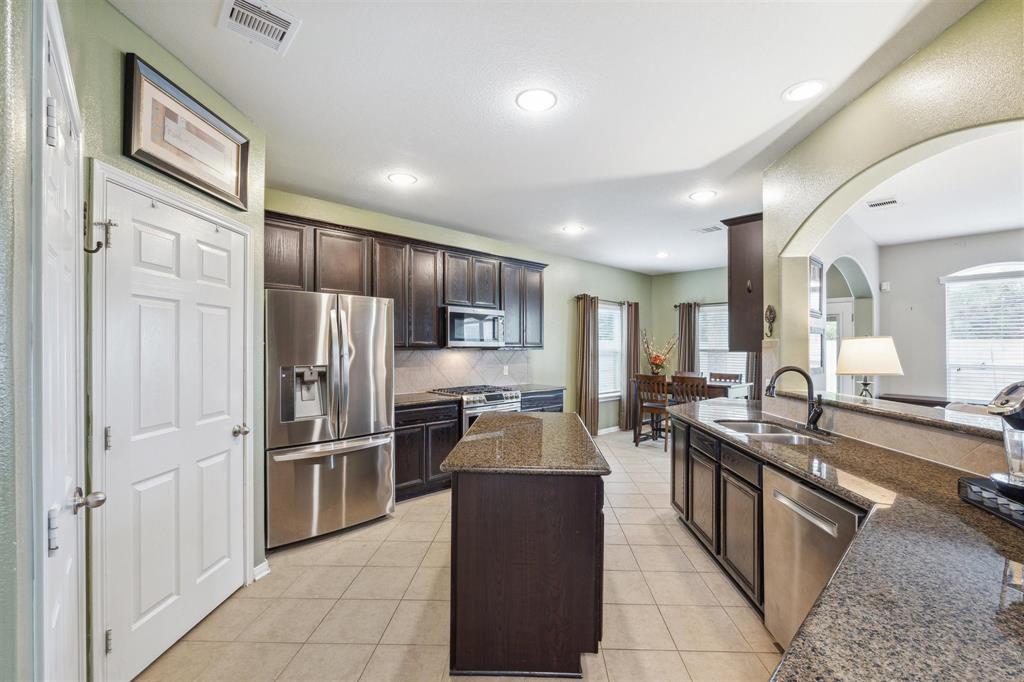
point(402, 178)
point(804, 90)
point(662, 254)
point(703, 195)
point(572, 228)
point(536, 100)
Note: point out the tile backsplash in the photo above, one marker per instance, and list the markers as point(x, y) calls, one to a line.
point(424, 370)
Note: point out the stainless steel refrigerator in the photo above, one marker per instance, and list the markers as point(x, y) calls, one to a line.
point(330, 412)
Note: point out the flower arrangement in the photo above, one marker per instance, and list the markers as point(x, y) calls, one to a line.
point(657, 358)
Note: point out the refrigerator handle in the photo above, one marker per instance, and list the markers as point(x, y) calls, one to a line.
point(346, 362)
point(335, 371)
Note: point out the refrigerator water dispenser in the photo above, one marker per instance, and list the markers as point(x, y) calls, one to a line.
point(304, 392)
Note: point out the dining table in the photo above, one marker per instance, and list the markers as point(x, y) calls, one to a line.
point(716, 389)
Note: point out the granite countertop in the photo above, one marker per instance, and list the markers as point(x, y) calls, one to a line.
point(425, 398)
point(537, 388)
point(527, 443)
point(931, 587)
point(984, 425)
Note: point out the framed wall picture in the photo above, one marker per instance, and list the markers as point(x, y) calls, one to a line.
point(816, 288)
point(816, 341)
point(166, 129)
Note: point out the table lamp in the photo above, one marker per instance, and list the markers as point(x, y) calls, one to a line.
point(868, 356)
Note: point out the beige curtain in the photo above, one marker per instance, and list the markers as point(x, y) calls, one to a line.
point(631, 318)
point(687, 352)
point(754, 374)
point(586, 361)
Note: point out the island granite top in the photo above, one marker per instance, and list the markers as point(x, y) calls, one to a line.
point(527, 443)
point(931, 587)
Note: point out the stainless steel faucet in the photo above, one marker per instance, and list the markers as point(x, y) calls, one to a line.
point(814, 410)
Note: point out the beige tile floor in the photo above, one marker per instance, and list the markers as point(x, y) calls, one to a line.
point(372, 604)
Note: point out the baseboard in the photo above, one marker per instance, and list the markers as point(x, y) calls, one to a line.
point(608, 429)
point(261, 571)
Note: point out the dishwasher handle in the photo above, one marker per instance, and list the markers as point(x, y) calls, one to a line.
point(825, 524)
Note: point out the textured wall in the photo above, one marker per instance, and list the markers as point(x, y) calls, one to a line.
point(969, 76)
point(701, 286)
point(15, 296)
point(98, 36)
point(563, 279)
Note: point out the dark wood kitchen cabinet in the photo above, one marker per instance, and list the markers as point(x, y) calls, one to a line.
point(342, 262)
point(426, 295)
point(680, 468)
point(543, 401)
point(512, 284)
point(391, 280)
point(288, 256)
point(741, 532)
point(471, 280)
point(424, 435)
point(746, 283)
point(703, 493)
point(533, 307)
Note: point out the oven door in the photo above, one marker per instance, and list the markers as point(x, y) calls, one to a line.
point(469, 415)
point(474, 327)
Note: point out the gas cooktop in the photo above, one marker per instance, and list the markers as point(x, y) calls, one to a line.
point(482, 393)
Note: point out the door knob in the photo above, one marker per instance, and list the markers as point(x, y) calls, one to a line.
point(240, 430)
point(92, 500)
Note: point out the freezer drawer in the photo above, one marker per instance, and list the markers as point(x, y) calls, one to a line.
point(322, 488)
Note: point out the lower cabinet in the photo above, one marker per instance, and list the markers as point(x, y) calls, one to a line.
point(703, 475)
point(544, 401)
point(741, 532)
point(680, 468)
point(424, 435)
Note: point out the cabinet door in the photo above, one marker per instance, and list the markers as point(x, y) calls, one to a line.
point(533, 308)
point(410, 460)
point(484, 292)
point(741, 532)
point(680, 468)
point(391, 280)
point(512, 303)
point(425, 296)
point(746, 292)
point(441, 438)
point(288, 256)
point(457, 287)
point(342, 262)
point(703, 475)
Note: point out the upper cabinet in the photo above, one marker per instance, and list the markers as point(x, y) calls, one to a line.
point(746, 283)
point(421, 277)
point(470, 280)
point(342, 262)
point(288, 255)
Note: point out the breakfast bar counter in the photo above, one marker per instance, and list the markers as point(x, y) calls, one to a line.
point(527, 545)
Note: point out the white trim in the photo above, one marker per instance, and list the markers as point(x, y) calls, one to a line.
point(102, 174)
point(261, 571)
point(609, 429)
point(982, 276)
point(609, 397)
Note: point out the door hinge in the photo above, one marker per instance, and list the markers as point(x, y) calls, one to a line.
point(51, 121)
point(108, 641)
point(51, 531)
point(108, 438)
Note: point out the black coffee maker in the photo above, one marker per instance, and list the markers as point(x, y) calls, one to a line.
point(1009, 405)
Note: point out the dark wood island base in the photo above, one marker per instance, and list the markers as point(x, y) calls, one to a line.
point(527, 546)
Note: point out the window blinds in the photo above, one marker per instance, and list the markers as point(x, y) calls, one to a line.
point(713, 342)
point(609, 349)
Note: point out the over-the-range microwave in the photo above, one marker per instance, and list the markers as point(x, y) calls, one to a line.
point(473, 327)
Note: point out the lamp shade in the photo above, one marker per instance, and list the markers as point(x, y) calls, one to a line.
point(869, 355)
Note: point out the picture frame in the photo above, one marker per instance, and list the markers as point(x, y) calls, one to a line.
point(168, 130)
point(816, 288)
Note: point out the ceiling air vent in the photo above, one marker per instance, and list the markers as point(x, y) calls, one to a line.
point(260, 23)
point(709, 229)
point(890, 202)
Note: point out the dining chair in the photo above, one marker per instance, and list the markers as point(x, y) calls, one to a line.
point(689, 389)
point(726, 378)
point(652, 396)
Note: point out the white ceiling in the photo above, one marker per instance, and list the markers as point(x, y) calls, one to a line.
point(973, 188)
point(656, 100)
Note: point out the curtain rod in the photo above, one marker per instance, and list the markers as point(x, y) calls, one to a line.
point(676, 306)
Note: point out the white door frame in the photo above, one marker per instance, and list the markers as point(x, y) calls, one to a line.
point(102, 174)
point(48, 30)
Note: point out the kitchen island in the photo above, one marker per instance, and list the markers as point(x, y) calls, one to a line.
point(527, 545)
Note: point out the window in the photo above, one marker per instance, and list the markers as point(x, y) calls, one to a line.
point(984, 331)
point(713, 342)
point(610, 366)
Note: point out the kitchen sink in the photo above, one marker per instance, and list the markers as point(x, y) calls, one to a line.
point(770, 432)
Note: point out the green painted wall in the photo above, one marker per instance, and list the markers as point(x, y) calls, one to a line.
point(98, 36)
point(563, 278)
point(15, 298)
point(700, 286)
point(608, 414)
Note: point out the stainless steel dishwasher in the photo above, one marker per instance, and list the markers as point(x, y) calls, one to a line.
point(806, 533)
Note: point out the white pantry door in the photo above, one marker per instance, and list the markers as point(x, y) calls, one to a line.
point(61, 349)
point(174, 385)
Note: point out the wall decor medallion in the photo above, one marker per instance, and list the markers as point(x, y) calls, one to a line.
point(166, 129)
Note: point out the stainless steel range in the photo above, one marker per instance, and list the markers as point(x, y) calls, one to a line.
point(481, 399)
